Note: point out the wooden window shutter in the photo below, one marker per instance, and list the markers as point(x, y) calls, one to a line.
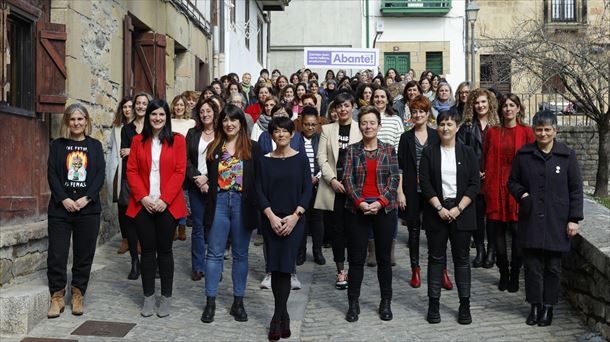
point(50, 67)
point(149, 64)
point(128, 83)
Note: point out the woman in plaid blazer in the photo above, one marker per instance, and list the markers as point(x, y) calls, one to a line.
point(371, 179)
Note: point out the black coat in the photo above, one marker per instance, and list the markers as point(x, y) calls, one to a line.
point(555, 196)
point(315, 142)
point(470, 134)
point(407, 162)
point(56, 176)
point(193, 136)
point(249, 202)
point(468, 183)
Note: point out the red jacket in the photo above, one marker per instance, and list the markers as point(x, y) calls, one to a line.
point(172, 167)
point(254, 110)
point(500, 206)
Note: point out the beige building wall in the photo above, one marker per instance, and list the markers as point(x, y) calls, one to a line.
point(94, 52)
point(498, 18)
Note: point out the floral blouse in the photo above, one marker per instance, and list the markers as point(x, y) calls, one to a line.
point(230, 172)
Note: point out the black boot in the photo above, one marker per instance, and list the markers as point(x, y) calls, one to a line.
point(434, 315)
point(237, 309)
point(513, 279)
point(209, 310)
point(318, 257)
point(479, 258)
point(503, 267)
point(353, 310)
point(490, 257)
point(135, 269)
point(546, 317)
point(385, 310)
point(464, 316)
point(532, 318)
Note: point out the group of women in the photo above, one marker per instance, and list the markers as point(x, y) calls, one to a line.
point(459, 168)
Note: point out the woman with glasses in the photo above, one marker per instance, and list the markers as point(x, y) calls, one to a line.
point(461, 97)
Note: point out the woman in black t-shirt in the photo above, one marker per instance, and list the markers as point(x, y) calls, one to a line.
point(76, 175)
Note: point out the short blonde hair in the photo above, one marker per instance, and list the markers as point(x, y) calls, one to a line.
point(64, 131)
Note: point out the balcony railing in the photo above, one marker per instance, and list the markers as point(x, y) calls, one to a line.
point(415, 7)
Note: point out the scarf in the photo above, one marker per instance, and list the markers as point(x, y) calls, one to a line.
point(263, 122)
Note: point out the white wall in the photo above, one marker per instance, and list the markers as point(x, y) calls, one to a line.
point(313, 23)
point(447, 28)
point(237, 57)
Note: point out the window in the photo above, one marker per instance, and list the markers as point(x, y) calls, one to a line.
point(247, 23)
point(17, 77)
point(259, 26)
point(563, 10)
point(434, 62)
point(399, 61)
point(495, 72)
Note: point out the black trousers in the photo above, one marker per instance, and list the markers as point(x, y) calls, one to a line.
point(83, 229)
point(156, 235)
point(542, 276)
point(383, 225)
point(128, 230)
point(338, 236)
point(313, 226)
point(501, 228)
point(414, 227)
point(437, 256)
point(482, 225)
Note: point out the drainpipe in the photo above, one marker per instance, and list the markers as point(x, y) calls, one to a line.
point(366, 11)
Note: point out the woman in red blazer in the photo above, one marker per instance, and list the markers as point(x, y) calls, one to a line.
point(155, 172)
point(499, 148)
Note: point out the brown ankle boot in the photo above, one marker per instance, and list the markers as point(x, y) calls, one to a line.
point(124, 247)
point(57, 304)
point(77, 301)
point(182, 232)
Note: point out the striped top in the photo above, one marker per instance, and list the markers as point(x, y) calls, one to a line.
point(390, 130)
point(310, 154)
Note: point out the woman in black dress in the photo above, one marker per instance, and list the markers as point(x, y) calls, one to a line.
point(283, 195)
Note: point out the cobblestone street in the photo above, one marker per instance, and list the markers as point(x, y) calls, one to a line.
point(317, 310)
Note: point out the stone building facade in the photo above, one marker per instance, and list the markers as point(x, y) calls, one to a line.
point(99, 71)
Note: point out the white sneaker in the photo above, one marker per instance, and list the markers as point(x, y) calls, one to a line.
point(294, 282)
point(266, 283)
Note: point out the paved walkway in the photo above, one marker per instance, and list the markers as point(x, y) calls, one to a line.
point(317, 310)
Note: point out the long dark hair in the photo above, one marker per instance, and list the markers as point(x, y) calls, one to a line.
point(166, 134)
point(210, 102)
point(243, 146)
point(119, 118)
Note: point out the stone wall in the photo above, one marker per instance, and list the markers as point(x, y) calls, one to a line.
point(586, 269)
point(584, 140)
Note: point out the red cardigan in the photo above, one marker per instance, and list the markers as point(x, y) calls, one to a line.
point(254, 110)
point(172, 167)
point(499, 204)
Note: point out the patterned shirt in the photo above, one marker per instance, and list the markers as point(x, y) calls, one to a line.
point(230, 172)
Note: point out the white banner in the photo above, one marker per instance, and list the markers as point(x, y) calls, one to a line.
point(346, 58)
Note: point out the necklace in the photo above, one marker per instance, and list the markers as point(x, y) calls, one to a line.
point(209, 132)
point(371, 154)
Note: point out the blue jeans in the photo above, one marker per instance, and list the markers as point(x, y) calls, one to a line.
point(227, 219)
point(197, 236)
